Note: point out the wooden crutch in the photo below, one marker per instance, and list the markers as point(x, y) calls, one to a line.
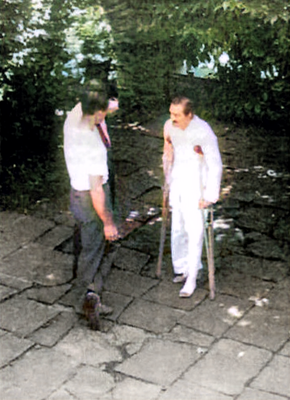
point(165, 211)
point(209, 244)
point(208, 236)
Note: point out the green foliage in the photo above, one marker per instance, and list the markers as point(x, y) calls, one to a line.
point(95, 44)
point(255, 84)
point(146, 41)
point(33, 88)
point(152, 39)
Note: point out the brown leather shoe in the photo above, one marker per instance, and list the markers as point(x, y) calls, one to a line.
point(91, 310)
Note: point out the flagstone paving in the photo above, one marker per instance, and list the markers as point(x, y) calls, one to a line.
point(155, 345)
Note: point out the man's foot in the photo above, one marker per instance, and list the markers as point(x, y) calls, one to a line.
point(105, 310)
point(91, 310)
point(179, 278)
point(188, 288)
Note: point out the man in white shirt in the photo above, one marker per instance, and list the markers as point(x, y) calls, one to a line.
point(193, 169)
point(85, 150)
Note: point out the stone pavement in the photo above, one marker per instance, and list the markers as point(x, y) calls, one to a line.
point(155, 346)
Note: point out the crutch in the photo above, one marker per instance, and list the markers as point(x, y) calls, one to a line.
point(208, 235)
point(209, 245)
point(165, 211)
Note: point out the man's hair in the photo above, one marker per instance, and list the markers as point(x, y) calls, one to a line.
point(93, 101)
point(186, 102)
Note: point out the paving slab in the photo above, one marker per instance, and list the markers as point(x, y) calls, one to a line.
point(150, 203)
point(20, 229)
point(275, 271)
point(167, 293)
point(39, 264)
point(229, 282)
point(256, 267)
point(149, 269)
point(125, 167)
point(262, 327)
point(183, 334)
point(36, 375)
point(130, 260)
point(285, 351)
point(279, 297)
point(6, 292)
point(128, 284)
point(229, 365)
point(73, 298)
point(261, 221)
point(146, 239)
point(48, 295)
point(184, 390)
point(13, 282)
point(129, 145)
point(245, 264)
point(129, 338)
point(55, 236)
point(132, 389)
point(88, 347)
point(252, 394)
point(138, 183)
point(267, 248)
point(7, 218)
point(159, 361)
point(2, 332)
point(217, 316)
point(119, 302)
point(89, 383)
point(152, 317)
point(22, 316)
point(12, 347)
point(275, 377)
point(61, 394)
point(49, 334)
point(7, 245)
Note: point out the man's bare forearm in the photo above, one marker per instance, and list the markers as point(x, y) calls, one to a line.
point(99, 202)
point(98, 196)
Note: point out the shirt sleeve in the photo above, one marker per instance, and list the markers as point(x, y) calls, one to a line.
point(213, 163)
point(168, 154)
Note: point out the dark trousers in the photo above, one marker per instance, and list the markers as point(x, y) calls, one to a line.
point(89, 240)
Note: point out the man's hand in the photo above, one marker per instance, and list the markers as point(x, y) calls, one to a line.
point(203, 204)
point(99, 202)
point(111, 232)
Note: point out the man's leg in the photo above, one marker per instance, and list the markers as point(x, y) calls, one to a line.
point(77, 247)
point(93, 246)
point(179, 245)
point(195, 228)
point(92, 250)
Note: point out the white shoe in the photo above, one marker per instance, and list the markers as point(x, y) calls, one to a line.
point(179, 278)
point(188, 288)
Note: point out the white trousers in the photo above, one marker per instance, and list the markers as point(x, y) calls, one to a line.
point(187, 232)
